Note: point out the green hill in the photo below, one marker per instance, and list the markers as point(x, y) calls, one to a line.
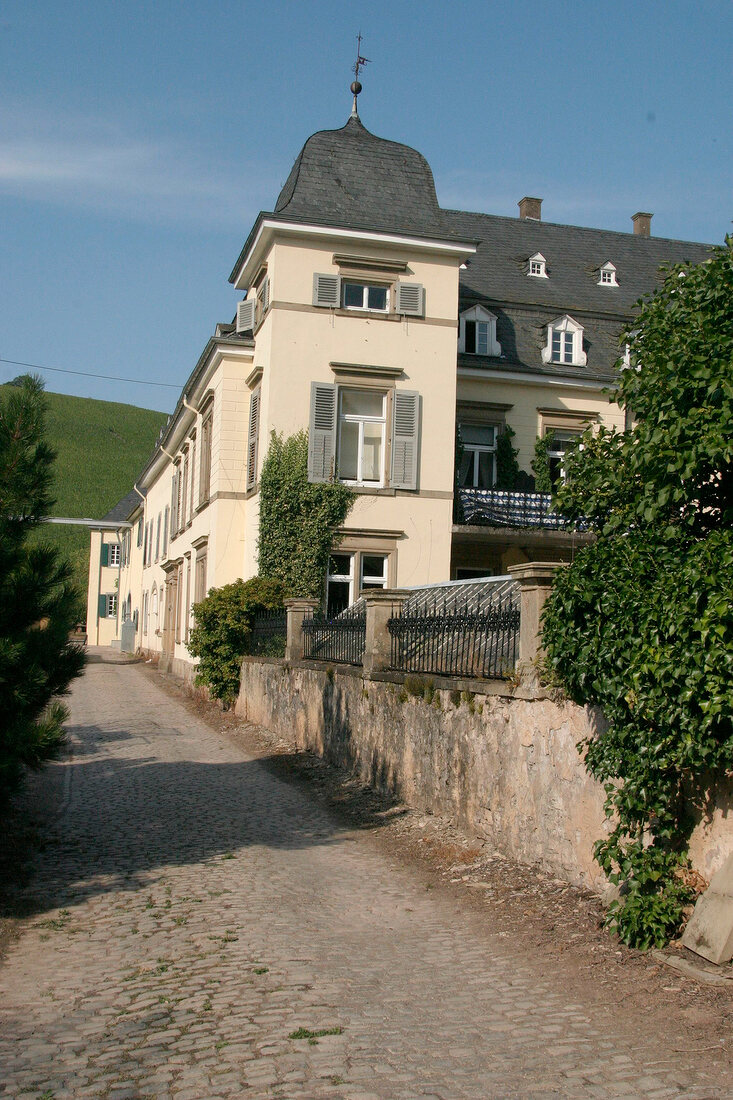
point(102, 447)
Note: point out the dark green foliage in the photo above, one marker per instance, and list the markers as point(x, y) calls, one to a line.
point(507, 467)
point(298, 520)
point(100, 446)
point(540, 463)
point(38, 605)
point(222, 623)
point(641, 623)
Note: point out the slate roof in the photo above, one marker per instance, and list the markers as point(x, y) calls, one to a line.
point(350, 177)
point(124, 508)
point(498, 271)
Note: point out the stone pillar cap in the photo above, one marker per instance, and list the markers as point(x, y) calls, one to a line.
point(301, 603)
point(383, 595)
point(537, 572)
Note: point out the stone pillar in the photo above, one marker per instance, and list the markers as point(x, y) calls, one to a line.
point(535, 579)
point(297, 610)
point(381, 605)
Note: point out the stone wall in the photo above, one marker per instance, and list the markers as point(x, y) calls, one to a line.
point(502, 767)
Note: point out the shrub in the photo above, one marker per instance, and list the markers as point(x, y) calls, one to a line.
point(641, 623)
point(222, 623)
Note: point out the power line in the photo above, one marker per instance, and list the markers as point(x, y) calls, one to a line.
point(88, 374)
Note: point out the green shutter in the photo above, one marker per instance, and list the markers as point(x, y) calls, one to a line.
point(105, 553)
point(102, 607)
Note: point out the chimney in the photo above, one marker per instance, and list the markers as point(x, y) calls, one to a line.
point(530, 208)
point(642, 224)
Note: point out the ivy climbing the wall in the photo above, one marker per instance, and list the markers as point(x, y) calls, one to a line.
point(641, 623)
point(299, 520)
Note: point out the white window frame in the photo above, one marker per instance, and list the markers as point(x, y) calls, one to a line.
point(111, 605)
point(480, 316)
point(537, 266)
point(356, 571)
point(366, 286)
point(570, 333)
point(478, 449)
point(361, 420)
point(607, 275)
point(574, 433)
point(114, 558)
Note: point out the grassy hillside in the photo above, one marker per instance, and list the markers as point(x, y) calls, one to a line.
point(101, 447)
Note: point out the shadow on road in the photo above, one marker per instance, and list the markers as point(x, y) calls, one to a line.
point(122, 820)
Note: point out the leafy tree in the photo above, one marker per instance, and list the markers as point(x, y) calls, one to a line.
point(641, 623)
point(38, 606)
point(222, 624)
point(298, 520)
point(507, 467)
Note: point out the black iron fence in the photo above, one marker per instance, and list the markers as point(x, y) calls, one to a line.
point(341, 640)
point(451, 640)
point(269, 634)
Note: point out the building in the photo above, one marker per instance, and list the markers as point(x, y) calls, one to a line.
point(384, 324)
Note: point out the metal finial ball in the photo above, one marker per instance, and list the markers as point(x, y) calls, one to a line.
point(356, 87)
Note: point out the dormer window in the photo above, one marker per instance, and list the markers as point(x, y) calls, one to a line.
point(477, 332)
point(537, 266)
point(564, 343)
point(607, 275)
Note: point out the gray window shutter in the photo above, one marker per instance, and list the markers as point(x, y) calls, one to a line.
point(410, 299)
point(405, 439)
point(165, 533)
point(102, 607)
point(246, 315)
point(252, 439)
point(173, 508)
point(327, 290)
point(105, 554)
point(265, 294)
point(322, 434)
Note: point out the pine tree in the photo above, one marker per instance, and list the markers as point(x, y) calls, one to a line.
point(38, 605)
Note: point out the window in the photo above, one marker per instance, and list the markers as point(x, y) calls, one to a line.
point(564, 343)
point(140, 532)
point(187, 609)
point(362, 421)
point(193, 470)
point(347, 435)
point(115, 555)
point(157, 540)
point(607, 275)
point(199, 590)
point(344, 569)
point(478, 462)
point(477, 332)
point(166, 518)
point(561, 439)
point(184, 495)
point(205, 463)
point(111, 600)
point(364, 296)
point(145, 612)
point(537, 266)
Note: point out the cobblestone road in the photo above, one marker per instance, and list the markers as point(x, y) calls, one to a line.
point(198, 914)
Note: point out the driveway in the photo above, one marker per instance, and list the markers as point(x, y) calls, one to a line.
point(206, 929)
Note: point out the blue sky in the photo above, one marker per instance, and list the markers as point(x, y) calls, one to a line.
point(138, 141)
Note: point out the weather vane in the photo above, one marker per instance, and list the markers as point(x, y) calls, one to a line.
point(358, 66)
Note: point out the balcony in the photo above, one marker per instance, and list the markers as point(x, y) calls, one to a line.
point(498, 508)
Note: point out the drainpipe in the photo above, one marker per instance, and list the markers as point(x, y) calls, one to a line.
point(186, 404)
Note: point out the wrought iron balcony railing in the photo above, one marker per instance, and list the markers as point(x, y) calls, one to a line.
point(498, 508)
